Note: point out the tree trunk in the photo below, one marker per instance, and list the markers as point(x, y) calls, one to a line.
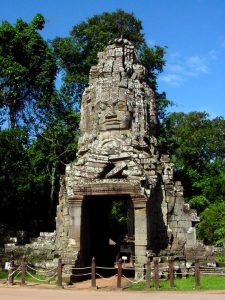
point(12, 117)
point(53, 171)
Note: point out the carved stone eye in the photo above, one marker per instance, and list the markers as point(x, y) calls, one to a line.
point(121, 106)
point(103, 106)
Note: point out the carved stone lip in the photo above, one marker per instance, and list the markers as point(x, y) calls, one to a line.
point(112, 122)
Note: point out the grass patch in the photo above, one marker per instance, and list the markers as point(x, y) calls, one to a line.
point(3, 274)
point(28, 278)
point(186, 284)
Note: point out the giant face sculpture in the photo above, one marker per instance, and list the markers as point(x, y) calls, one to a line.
point(114, 116)
point(117, 103)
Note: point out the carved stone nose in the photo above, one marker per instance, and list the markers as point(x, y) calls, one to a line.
point(111, 114)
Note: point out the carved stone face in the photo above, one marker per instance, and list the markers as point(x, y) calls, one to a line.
point(114, 116)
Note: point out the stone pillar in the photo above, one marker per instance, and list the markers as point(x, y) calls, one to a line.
point(75, 210)
point(140, 231)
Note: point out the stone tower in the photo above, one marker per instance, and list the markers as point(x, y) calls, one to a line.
point(118, 159)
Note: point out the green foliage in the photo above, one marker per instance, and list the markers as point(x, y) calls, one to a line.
point(3, 274)
point(220, 257)
point(27, 68)
point(78, 52)
point(212, 225)
point(197, 146)
point(153, 60)
point(30, 278)
point(53, 148)
point(32, 159)
point(118, 212)
point(14, 169)
point(199, 202)
point(38, 22)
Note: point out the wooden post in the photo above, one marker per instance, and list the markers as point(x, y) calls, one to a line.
point(59, 271)
point(171, 272)
point(119, 273)
point(10, 271)
point(23, 271)
point(148, 274)
point(197, 273)
point(93, 273)
point(156, 272)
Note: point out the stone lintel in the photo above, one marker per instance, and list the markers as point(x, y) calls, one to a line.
point(76, 200)
point(120, 156)
point(109, 188)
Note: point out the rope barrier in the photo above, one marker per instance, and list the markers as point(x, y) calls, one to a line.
point(18, 269)
point(41, 280)
point(162, 268)
point(208, 267)
point(12, 274)
point(41, 271)
point(134, 282)
point(107, 279)
point(17, 274)
point(84, 268)
point(134, 268)
point(127, 268)
point(217, 274)
point(105, 268)
point(163, 272)
point(86, 274)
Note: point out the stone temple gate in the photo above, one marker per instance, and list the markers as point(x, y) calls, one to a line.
point(118, 160)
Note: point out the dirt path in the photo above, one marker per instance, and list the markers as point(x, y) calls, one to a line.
point(41, 293)
point(106, 291)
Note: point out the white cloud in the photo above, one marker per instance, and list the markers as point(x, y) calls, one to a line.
point(196, 65)
point(151, 43)
point(175, 68)
point(172, 79)
point(175, 55)
point(213, 54)
point(179, 69)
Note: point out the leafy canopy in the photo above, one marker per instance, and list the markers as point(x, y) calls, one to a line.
point(197, 146)
point(27, 68)
point(78, 52)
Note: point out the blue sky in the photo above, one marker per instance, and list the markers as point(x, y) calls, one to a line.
point(193, 31)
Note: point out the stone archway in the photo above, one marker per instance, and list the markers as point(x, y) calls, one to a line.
point(82, 218)
point(101, 235)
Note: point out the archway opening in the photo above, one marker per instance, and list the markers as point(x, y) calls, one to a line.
point(106, 222)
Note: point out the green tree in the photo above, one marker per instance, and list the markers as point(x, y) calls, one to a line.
point(14, 170)
point(197, 146)
point(30, 171)
point(78, 52)
point(32, 161)
point(27, 69)
point(212, 226)
point(55, 147)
